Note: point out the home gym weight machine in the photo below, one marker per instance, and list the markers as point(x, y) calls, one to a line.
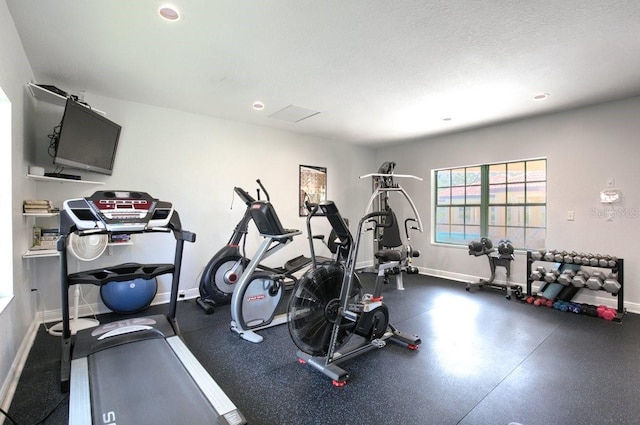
point(223, 271)
point(501, 258)
point(389, 244)
point(327, 306)
point(133, 371)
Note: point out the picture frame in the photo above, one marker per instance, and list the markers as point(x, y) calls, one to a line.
point(313, 186)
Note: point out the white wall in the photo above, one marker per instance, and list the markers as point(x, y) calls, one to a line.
point(18, 315)
point(194, 162)
point(584, 147)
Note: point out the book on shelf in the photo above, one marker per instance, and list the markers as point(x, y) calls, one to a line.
point(45, 238)
point(37, 206)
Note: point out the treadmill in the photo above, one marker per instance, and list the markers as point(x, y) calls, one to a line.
point(137, 370)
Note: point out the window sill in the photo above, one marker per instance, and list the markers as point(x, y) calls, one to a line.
point(4, 302)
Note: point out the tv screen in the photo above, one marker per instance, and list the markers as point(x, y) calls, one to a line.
point(87, 140)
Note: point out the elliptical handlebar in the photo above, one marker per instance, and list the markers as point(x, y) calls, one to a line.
point(244, 195)
point(264, 190)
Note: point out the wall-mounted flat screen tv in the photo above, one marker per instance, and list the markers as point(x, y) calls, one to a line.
point(87, 141)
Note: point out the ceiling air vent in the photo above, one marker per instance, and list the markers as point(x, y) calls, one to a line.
point(293, 113)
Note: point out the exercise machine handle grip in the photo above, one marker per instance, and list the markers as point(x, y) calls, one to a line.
point(263, 189)
point(244, 195)
point(375, 214)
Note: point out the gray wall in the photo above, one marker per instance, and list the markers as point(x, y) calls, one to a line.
point(584, 147)
point(18, 315)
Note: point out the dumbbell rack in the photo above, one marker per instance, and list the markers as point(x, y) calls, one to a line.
point(618, 269)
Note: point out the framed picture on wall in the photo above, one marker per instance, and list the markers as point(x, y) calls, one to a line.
point(313, 186)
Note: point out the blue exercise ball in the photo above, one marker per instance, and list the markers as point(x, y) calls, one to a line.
point(129, 296)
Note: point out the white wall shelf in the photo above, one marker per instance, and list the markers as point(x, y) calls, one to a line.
point(45, 95)
point(40, 253)
point(48, 96)
point(52, 214)
point(59, 180)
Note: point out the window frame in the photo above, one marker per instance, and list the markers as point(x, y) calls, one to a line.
point(467, 219)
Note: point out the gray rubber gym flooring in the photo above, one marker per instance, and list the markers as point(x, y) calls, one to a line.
point(483, 360)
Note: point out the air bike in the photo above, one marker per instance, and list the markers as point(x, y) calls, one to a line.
point(327, 306)
point(223, 271)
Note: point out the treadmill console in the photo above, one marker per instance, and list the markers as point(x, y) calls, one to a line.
point(118, 211)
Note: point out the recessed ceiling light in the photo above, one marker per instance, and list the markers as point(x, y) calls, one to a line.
point(541, 96)
point(258, 106)
point(169, 13)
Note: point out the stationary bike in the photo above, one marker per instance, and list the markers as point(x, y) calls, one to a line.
point(223, 271)
point(327, 306)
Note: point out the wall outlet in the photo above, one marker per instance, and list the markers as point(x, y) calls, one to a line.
point(571, 215)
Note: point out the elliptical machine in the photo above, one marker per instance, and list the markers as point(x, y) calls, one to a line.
point(258, 293)
point(327, 305)
point(224, 269)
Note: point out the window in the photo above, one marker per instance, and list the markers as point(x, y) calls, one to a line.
point(500, 201)
point(6, 247)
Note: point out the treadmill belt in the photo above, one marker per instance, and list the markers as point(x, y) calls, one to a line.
point(145, 383)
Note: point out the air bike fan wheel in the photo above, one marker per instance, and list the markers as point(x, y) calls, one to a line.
point(313, 309)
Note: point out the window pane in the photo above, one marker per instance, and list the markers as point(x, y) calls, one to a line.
point(444, 196)
point(457, 215)
point(457, 234)
point(472, 233)
point(457, 195)
point(442, 233)
point(497, 173)
point(515, 172)
point(473, 176)
point(537, 193)
point(444, 178)
point(497, 216)
point(442, 215)
point(536, 216)
point(497, 194)
point(515, 193)
point(535, 238)
point(497, 233)
point(515, 216)
point(473, 195)
point(472, 216)
point(516, 236)
point(537, 170)
point(457, 177)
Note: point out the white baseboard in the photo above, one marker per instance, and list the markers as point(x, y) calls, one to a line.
point(590, 297)
point(11, 382)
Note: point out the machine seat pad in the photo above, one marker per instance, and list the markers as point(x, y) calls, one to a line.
point(390, 255)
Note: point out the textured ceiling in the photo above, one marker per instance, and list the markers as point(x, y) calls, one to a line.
point(377, 71)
